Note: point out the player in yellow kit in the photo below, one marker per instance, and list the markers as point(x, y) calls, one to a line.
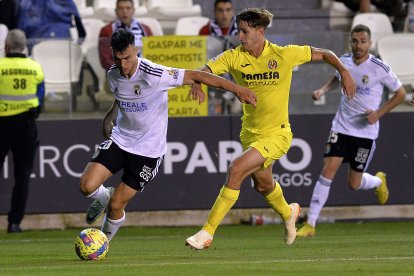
point(266, 136)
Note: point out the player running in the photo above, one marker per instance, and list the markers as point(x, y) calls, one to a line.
point(137, 143)
point(355, 126)
point(266, 136)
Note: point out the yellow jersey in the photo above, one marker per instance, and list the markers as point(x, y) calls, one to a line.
point(19, 78)
point(269, 76)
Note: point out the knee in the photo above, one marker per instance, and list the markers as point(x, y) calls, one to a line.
point(234, 170)
point(85, 186)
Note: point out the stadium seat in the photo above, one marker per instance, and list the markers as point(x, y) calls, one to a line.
point(378, 23)
point(92, 27)
point(153, 24)
point(105, 9)
point(61, 61)
point(84, 11)
point(190, 25)
point(398, 51)
point(172, 9)
point(3, 34)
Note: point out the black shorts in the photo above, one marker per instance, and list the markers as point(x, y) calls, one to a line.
point(357, 151)
point(138, 170)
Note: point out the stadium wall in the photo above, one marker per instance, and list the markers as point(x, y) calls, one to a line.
point(199, 151)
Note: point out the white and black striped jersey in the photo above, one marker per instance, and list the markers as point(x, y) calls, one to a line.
point(141, 124)
point(370, 77)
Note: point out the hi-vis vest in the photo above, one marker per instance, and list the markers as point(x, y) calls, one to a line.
point(19, 78)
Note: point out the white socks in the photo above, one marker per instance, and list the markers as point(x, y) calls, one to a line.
point(100, 194)
point(110, 227)
point(319, 197)
point(369, 182)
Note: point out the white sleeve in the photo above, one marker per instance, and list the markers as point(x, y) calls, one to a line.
point(391, 81)
point(171, 77)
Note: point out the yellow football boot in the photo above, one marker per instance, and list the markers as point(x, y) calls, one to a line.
point(307, 230)
point(382, 190)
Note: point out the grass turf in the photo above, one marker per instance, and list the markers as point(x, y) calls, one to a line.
point(370, 248)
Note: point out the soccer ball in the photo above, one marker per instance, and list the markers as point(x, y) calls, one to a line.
point(91, 244)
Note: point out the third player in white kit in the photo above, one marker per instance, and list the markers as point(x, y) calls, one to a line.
point(355, 126)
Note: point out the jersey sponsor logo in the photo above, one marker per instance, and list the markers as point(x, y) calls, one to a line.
point(261, 76)
point(133, 107)
point(14, 106)
point(272, 64)
point(245, 65)
point(363, 90)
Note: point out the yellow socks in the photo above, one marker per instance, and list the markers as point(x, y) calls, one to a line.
point(278, 202)
point(225, 200)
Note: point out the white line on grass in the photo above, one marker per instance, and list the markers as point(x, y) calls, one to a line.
point(328, 260)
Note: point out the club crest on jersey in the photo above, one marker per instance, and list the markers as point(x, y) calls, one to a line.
point(272, 64)
point(364, 79)
point(137, 89)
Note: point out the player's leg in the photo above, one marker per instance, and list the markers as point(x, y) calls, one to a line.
point(115, 216)
point(273, 194)
point(320, 194)
point(138, 172)
point(250, 161)
point(107, 160)
point(358, 178)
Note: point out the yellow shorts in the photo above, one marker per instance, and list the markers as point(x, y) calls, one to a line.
point(271, 146)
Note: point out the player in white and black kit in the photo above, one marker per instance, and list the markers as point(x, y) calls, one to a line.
point(137, 143)
point(355, 126)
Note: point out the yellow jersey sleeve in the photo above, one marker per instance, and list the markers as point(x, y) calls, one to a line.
point(297, 55)
point(222, 63)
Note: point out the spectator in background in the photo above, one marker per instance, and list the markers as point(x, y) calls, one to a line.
point(224, 22)
point(393, 8)
point(125, 19)
point(8, 13)
point(45, 19)
point(21, 94)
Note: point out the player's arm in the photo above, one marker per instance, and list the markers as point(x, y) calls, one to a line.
point(108, 124)
point(375, 115)
point(328, 86)
point(196, 92)
point(244, 94)
point(347, 81)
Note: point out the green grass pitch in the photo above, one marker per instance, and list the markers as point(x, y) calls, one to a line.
point(370, 248)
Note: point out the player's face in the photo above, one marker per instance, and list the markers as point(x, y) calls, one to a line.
point(124, 12)
point(360, 44)
point(224, 13)
point(249, 37)
point(126, 61)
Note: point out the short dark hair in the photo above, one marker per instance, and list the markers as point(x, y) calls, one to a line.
point(121, 39)
point(117, 1)
point(255, 17)
point(221, 1)
point(361, 28)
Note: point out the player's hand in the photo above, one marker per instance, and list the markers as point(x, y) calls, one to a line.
point(372, 116)
point(107, 128)
point(317, 94)
point(196, 93)
point(246, 96)
point(348, 84)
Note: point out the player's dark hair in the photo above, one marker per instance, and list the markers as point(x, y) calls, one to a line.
point(121, 39)
point(117, 1)
point(255, 17)
point(221, 1)
point(361, 28)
